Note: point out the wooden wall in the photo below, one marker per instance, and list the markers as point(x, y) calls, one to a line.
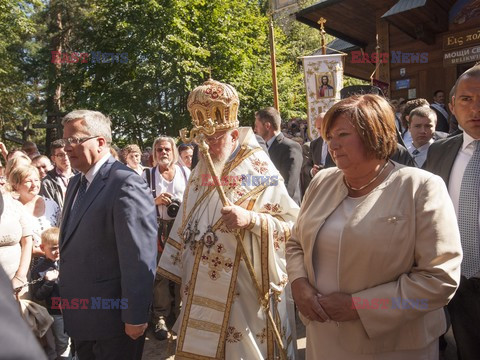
point(424, 77)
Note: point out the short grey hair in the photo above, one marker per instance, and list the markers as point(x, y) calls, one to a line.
point(95, 123)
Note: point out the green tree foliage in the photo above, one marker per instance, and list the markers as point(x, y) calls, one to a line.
point(15, 27)
point(162, 49)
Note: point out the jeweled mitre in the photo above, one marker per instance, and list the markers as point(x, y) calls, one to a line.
point(214, 101)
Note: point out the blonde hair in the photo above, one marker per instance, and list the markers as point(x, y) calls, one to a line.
point(50, 236)
point(18, 160)
point(19, 174)
point(132, 148)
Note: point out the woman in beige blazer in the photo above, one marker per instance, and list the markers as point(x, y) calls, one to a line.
point(375, 253)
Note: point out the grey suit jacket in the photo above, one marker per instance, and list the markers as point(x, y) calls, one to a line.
point(286, 155)
point(108, 254)
point(442, 155)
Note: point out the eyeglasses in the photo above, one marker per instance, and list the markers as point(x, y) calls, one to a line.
point(75, 141)
point(213, 140)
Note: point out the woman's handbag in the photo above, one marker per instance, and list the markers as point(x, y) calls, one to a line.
point(36, 316)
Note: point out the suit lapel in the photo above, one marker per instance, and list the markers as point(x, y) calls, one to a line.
point(317, 153)
point(67, 206)
point(277, 140)
point(93, 190)
point(316, 147)
point(329, 161)
point(449, 155)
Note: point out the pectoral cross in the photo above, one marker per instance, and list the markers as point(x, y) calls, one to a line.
point(190, 234)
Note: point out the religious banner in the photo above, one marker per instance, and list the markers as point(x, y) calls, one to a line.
point(323, 82)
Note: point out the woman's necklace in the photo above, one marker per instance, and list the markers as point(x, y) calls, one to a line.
point(367, 184)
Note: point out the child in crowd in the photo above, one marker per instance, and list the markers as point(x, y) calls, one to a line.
point(47, 288)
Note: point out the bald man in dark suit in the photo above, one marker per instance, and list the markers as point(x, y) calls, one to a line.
point(457, 160)
point(315, 157)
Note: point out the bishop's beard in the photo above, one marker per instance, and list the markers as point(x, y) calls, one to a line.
point(218, 165)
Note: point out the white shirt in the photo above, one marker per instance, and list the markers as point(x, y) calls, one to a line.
point(407, 139)
point(422, 153)
point(324, 152)
point(90, 175)
point(176, 187)
point(270, 141)
point(458, 168)
point(323, 159)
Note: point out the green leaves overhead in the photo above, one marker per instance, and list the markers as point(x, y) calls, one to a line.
point(171, 46)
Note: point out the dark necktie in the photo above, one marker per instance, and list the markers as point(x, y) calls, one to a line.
point(415, 152)
point(468, 205)
point(78, 200)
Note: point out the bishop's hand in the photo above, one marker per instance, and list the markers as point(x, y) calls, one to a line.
point(235, 217)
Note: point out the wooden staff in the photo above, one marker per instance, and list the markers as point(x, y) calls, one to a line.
point(199, 133)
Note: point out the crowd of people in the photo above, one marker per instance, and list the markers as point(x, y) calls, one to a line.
point(370, 233)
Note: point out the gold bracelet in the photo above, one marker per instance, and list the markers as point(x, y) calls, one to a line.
point(253, 220)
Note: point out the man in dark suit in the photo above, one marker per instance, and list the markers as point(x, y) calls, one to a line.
point(457, 160)
point(315, 157)
point(440, 109)
point(107, 245)
point(285, 154)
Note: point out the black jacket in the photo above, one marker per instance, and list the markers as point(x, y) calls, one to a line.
point(45, 290)
point(286, 155)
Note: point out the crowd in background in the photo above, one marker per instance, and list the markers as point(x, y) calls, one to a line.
point(34, 187)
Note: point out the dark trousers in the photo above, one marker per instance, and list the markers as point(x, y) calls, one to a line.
point(166, 303)
point(464, 312)
point(121, 347)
